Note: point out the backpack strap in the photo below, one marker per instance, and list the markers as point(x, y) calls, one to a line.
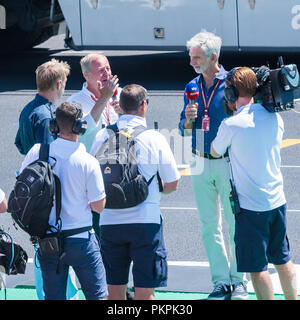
point(138, 130)
point(57, 197)
point(44, 156)
point(72, 232)
point(112, 127)
point(44, 152)
point(160, 186)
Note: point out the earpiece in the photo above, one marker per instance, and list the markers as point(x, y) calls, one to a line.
point(79, 126)
point(231, 93)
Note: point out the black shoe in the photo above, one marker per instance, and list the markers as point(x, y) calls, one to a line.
point(220, 292)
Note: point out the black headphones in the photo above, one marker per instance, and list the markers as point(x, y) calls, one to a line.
point(231, 93)
point(79, 125)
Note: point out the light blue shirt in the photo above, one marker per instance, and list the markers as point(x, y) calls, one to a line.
point(253, 136)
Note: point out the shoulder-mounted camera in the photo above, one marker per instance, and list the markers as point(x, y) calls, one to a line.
point(276, 88)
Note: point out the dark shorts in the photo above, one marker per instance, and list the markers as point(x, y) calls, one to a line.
point(260, 238)
point(85, 258)
point(140, 243)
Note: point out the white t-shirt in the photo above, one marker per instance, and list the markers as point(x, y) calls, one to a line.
point(254, 137)
point(2, 195)
point(81, 182)
point(87, 100)
point(153, 154)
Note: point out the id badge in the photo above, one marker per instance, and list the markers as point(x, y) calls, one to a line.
point(205, 123)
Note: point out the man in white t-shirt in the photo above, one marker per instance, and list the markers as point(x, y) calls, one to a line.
point(253, 138)
point(99, 108)
point(3, 201)
point(135, 234)
point(82, 191)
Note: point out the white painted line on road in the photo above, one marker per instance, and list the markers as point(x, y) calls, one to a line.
point(188, 263)
point(177, 208)
point(186, 166)
point(272, 270)
point(290, 166)
point(190, 208)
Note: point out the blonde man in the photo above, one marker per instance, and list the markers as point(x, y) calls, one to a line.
point(51, 78)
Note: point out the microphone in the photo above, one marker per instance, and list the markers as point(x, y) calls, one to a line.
point(192, 92)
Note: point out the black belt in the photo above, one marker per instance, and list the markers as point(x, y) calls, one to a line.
point(208, 155)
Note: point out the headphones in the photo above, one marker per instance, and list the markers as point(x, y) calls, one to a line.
point(79, 125)
point(231, 93)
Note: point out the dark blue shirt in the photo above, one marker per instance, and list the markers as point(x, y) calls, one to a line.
point(216, 111)
point(34, 124)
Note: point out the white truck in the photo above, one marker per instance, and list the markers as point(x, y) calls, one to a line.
point(244, 25)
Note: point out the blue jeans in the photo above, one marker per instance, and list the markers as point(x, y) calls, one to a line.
point(85, 258)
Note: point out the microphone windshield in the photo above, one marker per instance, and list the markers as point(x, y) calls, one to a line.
point(192, 91)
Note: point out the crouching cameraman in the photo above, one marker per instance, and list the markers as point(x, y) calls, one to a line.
point(253, 137)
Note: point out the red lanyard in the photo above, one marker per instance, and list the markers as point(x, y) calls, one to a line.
point(107, 115)
point(206, 105)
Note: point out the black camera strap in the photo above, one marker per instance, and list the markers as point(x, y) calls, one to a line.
point(233, 196)
point(64, 234)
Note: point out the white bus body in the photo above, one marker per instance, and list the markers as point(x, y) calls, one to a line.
point(243, 25)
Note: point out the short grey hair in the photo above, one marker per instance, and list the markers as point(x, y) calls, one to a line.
point(86, 61)
point(207, 41)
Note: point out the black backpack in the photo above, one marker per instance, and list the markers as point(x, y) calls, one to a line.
point(124, 186)
point(33, 196)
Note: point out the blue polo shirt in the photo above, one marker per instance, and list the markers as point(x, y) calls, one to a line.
point(34, 124)
point(216, 111)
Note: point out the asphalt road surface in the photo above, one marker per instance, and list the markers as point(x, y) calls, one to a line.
point(164, 74)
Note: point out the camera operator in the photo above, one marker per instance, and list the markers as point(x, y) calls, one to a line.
point(253, 138)
point(82, 189)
